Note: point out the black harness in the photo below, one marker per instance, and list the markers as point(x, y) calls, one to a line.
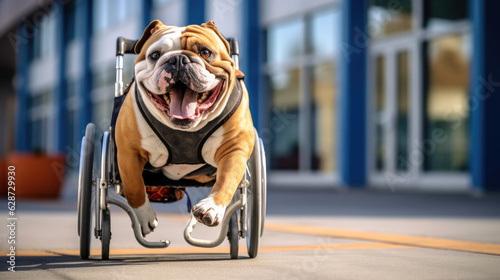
point(187, 146)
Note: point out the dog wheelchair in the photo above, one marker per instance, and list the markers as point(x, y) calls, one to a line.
point(99, 186)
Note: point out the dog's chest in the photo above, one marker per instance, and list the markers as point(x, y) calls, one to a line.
point(159, 153)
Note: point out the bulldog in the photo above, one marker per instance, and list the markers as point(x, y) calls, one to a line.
point(185, 110)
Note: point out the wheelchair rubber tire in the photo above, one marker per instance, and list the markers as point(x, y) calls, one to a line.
point(254, 204)
point(105, 233)
point(264, 185)
point(85, 203)
point(233, 236)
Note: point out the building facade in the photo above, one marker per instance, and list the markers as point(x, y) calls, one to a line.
point(391, 94)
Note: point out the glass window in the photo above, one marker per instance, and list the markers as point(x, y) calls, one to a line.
point(324, 117)
point(70, 132)
point(100, 15)
point(402, 111)
point(303, 52)
point(388, 17)
point(441, 13)
point(132, 8)
point(38, 126)
point(446, 104)
point(116, 11)
point(71, 115)
point(38, 135)
point(101, 113)
point(44, 36)
point(380, 91)
point(284, 88)
point(325, 32)
point(104, 77)
point(108, 13)
point(285, 42)
point(40, 99)
point(325, 37)
point(160, 2)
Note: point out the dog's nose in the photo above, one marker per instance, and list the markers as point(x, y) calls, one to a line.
point(179, 60)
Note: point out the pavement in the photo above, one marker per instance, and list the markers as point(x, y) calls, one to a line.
point(309, 234)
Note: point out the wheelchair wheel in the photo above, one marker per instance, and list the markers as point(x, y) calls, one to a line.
point(255, 201)
point(233, 236)
point(85, 191)
point(105, 233)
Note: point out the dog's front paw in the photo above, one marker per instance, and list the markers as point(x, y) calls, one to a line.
point(207, 212)
point(147, 218)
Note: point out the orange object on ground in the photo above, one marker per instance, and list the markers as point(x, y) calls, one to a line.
point(37, 175)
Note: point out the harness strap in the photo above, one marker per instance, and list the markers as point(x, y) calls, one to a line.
point(188, 145)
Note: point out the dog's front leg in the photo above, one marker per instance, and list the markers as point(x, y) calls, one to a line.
point(230, 170)
point(131, 165)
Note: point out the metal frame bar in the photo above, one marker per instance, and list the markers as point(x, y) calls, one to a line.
point(112, 198)
point(223, 230)
point(119, 76)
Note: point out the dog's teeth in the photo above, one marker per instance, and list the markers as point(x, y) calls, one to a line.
point(200, 101)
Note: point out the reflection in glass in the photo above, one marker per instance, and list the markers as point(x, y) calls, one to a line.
point(402, 118)
point(302, 89)
point(70, 131)
point(324, 117)
point(325, 32)
point(71, 115)
point(380, 91)
point(388, 17)
point(284, 120)
point(447, 111)
point(39, 135)
point(38, 126)
point(325, 39)
point(441, 13)
point(285, 41)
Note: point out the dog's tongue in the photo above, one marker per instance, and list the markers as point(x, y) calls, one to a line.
point(183, 103)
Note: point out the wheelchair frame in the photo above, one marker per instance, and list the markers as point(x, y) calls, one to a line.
point(94, 195)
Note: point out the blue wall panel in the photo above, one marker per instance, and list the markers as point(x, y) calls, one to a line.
point(353, 94)
point(485, 95)
point(85, 112)
point(61, 90)
point(147, 6)
point(252, 56)
point(195, 11)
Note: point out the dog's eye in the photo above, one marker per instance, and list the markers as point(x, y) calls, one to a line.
point(205, 53)
point(154, 55)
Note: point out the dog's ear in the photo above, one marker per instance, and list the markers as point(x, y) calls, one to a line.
point(211, 24)
point(152, 27)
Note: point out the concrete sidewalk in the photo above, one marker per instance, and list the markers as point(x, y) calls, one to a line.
point(320, 234)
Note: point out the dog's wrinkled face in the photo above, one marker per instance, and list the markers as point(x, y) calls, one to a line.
point(185, 73)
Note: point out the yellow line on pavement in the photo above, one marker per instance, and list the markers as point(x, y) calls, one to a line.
point(399, 239)
point(350, 246)
point(224, 250)
point(26, 253)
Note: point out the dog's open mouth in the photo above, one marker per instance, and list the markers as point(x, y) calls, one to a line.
point(183, 103)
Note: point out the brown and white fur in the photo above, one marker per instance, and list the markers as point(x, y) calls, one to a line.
point(213, 72)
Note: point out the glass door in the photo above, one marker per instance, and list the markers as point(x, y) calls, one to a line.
point(390, 96)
